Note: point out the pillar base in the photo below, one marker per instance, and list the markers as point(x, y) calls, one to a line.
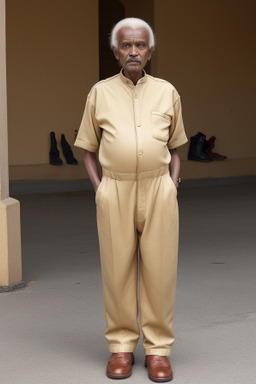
point(13, 287)
point(10, 240)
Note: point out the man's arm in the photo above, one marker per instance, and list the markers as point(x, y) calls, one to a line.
point(90, 164)
point(175, 166)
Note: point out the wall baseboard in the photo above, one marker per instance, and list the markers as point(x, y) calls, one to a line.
point(30, 187)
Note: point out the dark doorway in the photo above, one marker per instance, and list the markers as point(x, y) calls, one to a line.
point(110, 12)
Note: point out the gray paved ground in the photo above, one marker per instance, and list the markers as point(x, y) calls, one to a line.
point(52, 332)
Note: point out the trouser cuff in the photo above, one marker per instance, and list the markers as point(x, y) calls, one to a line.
point(116, 348)
point(158, 352)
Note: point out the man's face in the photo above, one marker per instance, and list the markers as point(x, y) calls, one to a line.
point(133, 49)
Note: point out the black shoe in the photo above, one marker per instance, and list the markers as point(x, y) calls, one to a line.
point(67, 152)
point(198, 146)
point(54, 153)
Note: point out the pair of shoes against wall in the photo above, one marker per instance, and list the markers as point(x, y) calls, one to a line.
point(66, 150)
point(120, 367)
point(200, 149)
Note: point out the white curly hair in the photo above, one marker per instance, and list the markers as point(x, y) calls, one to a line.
point(132, 22)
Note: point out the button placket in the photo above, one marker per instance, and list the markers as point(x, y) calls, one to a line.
point(139, 142)
point(138, 127)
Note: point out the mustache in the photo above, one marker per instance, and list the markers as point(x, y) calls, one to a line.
point(134, 60)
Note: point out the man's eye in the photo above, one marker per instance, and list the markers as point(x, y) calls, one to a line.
point(125, 45)
point(141, 45)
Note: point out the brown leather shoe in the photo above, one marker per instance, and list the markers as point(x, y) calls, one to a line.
point(120, 365)
point(159, 368)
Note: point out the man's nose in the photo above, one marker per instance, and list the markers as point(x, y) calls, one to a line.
point(133, 50)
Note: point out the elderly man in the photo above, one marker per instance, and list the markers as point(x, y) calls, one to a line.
point(135, 122)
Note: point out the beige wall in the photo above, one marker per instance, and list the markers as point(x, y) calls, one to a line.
point(207, 49)
point(52, 53)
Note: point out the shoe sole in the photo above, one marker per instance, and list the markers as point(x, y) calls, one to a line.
point(201, 160)
point(118, 377)
point(159, 380)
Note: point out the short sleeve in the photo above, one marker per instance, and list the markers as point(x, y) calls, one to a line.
point(177, 132)
point(89, 133)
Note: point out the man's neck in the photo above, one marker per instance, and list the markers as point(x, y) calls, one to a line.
point(133, 76)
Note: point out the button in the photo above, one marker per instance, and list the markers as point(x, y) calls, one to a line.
point(138, 125)
point(140, 153)
point(136, 96)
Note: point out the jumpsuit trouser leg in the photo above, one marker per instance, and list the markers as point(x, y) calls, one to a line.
point(129, 211)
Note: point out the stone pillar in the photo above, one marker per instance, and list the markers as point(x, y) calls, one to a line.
point(10, 240)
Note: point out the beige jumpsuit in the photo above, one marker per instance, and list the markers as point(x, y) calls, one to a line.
point(134, 127)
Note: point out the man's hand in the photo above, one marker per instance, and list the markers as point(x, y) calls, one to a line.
point(176, 183)
point(97, 187)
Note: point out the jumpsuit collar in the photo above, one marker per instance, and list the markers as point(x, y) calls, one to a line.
point(127, 81)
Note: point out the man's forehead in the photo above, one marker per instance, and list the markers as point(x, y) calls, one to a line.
point(127, 33)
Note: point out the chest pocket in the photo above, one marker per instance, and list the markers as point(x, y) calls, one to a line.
point(160, 126)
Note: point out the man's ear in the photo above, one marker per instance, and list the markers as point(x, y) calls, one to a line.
point(150, 52)
point(115, 53)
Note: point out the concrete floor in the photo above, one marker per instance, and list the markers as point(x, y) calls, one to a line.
point(53, 331)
